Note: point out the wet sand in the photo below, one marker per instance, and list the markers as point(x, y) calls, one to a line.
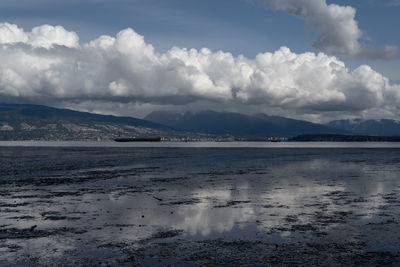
point(199, 206)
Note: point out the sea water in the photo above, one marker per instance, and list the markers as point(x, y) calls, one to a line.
point(255, 203)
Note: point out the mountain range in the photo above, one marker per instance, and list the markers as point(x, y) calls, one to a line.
point(239, 124)
point(381, 127)
point(36, 122)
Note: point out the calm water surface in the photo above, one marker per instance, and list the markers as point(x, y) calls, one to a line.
point(219, 204)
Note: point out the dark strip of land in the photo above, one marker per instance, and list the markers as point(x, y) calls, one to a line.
point(343, 138)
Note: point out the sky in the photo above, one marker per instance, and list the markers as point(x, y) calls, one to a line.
point(317, 60)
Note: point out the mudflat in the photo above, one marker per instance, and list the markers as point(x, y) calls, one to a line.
point(199, 206)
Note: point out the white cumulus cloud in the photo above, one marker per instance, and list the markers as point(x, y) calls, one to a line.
point(335, 25)
point(42, 36)
point(49, 64)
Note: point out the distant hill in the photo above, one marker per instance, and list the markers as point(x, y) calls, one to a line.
point(370, 127)
point(239, 124)
point(36, 122)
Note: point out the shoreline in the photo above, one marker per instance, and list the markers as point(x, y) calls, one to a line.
point(238, 144)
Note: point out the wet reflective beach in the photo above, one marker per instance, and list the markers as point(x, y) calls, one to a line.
point(189, 206)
